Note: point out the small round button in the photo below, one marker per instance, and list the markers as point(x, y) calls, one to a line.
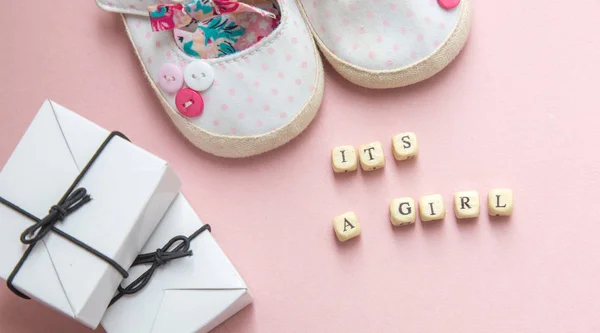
point(199, 75)
point(189, 103)
point(448, 4)
point(170, 77)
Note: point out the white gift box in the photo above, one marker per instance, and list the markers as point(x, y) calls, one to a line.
point(130, 188)
point(186, 295)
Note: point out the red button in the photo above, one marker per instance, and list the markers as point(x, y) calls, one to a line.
point(448, 4)
point(189, 102)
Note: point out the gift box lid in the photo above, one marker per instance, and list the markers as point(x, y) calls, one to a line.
point(190, 294)
point(130, 190)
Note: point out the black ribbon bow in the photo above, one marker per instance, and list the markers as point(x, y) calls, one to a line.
point(72, 200)
point(57, 213)
point(161, 256)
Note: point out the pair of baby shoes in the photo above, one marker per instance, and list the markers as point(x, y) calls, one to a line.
point(242, 77)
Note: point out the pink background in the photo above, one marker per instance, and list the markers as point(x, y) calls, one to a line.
point(518, 109)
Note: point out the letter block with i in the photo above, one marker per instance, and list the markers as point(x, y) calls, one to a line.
point(371, 156)
point(343, 159)
point(500, 202)
point(346, 226)
point(431, 207)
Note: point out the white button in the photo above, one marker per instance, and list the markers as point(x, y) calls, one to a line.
point(199, 75)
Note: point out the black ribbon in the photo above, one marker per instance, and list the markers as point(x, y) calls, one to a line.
point(72, 200)
point(158, 258)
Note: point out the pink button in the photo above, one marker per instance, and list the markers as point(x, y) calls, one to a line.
point(448, 4)
point(170, 77)
point(189, 102)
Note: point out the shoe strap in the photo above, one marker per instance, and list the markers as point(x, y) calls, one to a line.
point(179, 13)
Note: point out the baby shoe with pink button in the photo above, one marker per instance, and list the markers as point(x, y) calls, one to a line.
point(238, 78)
point(388, 43)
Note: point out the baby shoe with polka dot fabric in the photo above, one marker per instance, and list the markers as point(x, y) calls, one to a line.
point(229, 90)
point(388, 43)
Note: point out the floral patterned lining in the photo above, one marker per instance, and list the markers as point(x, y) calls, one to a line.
point(219, 30)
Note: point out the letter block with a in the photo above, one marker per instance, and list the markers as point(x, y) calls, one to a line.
point(346, 226)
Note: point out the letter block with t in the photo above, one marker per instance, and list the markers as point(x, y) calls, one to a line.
point(343, 159)
point(403, 211)
point(405, 146)
point(500, 202)
point(466, 204)
point(371, 156)
point(346, 226)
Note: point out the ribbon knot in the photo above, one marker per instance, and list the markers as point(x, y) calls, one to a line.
point(159, 257)
point(178, 247)
point(57, 213)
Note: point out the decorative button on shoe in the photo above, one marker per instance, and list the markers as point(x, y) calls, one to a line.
point(170, 78)
point(448, 4)
point(254, 68)
point(388, 44)
point(199, 75)
point(189, 103)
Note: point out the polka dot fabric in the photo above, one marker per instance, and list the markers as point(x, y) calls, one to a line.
point(267, 93)
point(381, 34)
point(255, 91)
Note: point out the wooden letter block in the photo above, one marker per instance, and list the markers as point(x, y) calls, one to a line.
point(431, 207)
point(500, 202)
point(346, 226)
point(403, 211)
point(371, 156)
point(405, 146)
point(343, 159)
point(466, 204)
